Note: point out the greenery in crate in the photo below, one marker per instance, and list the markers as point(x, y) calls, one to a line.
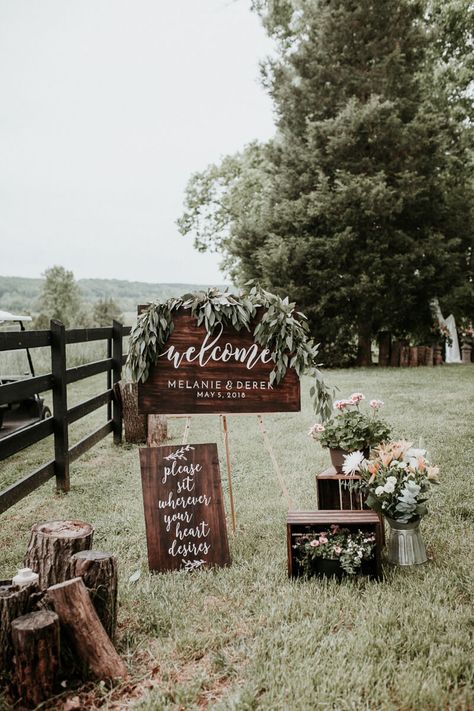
point(347, 547)
point(351, 429)
point(280, 328)
point(397, 479)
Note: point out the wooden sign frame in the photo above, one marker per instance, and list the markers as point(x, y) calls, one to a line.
point(224, 372)
point(184, 510)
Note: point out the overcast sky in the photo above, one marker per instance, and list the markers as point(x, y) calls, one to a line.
point(106, 108)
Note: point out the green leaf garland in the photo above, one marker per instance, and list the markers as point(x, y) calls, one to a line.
point(280, 328)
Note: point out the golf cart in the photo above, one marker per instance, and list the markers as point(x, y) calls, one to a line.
point(17, 415)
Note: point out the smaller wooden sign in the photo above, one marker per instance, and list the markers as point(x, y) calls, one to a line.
point(184, 511)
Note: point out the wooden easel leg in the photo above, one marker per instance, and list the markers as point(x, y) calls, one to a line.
point(229, 472)
point(187, 427)
point(276, 467)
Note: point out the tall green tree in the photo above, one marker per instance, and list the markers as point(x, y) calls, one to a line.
point(361, 207)
point(60, 299)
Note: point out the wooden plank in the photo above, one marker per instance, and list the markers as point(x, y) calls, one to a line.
point(22, 389)
point(88, 370)
point(87, 406)
point(184, 511)
point(17, 441)
point(15, 340)
point(225, 372)
point(61, 432)
point(17, 491)
point(116, 375)
point(84, 335)
point(299, 521)
point(332, 516)
point(87, 442)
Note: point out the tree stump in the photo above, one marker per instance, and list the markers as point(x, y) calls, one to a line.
point(51, 546)
point(76, 613)
point(404, 356)
point(421, 355)
point(35, 639)
point(134, 423)
point(413, 356)
point(385, 342)
point(395, 354)
point(14, 602)
point(99, 573)
point(157, 430)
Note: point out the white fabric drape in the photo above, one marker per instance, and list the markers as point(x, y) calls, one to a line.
point(452, 354)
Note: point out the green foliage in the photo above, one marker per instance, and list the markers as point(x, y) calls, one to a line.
point(350, 548)
point(278, 327)
point(352, 430)
point(361, 207)
point(59, 299)
point(105, 311)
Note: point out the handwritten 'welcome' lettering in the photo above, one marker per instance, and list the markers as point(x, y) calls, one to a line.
point(211, 351)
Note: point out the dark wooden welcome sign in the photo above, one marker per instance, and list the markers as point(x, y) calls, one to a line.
point(184, 512)
point(220, 372)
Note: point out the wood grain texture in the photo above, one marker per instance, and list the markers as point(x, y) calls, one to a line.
point(99, 573)
point(215, 386)
point(77, 615)
point(14, 602)
point(299, 522)
point(36, 662)
point(51, 546)
point(184, 511)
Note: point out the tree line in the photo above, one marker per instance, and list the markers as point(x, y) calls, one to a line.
point(361, 207)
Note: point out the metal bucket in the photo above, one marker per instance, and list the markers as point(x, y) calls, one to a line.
point(405, 545)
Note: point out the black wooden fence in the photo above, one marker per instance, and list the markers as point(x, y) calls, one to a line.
point(57, 381)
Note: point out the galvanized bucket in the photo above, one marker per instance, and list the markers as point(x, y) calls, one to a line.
point(405, 545)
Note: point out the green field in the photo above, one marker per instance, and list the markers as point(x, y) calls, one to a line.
point(246, 637)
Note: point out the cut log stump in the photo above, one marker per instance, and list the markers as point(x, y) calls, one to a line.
point(72, 604)
point(99, 573)
point(35, 639)
point(14, 602)
point(134, 422)
point(51, 546)
point(157, 430)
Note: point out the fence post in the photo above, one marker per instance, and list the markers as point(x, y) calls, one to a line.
point(117, 329)
point(61, 432)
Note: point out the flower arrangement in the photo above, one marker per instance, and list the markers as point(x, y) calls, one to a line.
point(466, 332)
point(347, 547)
point(440, 332)
point(351, 429)
point(397, 480)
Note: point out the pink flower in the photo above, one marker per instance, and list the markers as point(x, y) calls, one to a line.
point(357, 397)
point(341, 404)
point(337, 550)
point(376, 404)
point(314, 543)
point(322, 539)
point(334, 528)
point(316, 430)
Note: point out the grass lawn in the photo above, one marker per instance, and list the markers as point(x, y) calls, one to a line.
point(246, 637)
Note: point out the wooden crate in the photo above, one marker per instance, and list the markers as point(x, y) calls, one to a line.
point(334, 491)
point(303, 521)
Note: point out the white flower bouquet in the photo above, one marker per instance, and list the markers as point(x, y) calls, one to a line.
point(397, 479)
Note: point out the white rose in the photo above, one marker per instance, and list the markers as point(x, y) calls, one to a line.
point(379, 491)
point(392, 479)
point(389, 487)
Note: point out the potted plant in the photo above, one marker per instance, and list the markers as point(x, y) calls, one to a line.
point(397, 480)
point(351, 429)
point(467, 337)
point(335, 552)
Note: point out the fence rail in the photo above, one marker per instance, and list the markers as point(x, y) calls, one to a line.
point(57, 338)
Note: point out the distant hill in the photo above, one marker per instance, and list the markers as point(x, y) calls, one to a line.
point(21, 294)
